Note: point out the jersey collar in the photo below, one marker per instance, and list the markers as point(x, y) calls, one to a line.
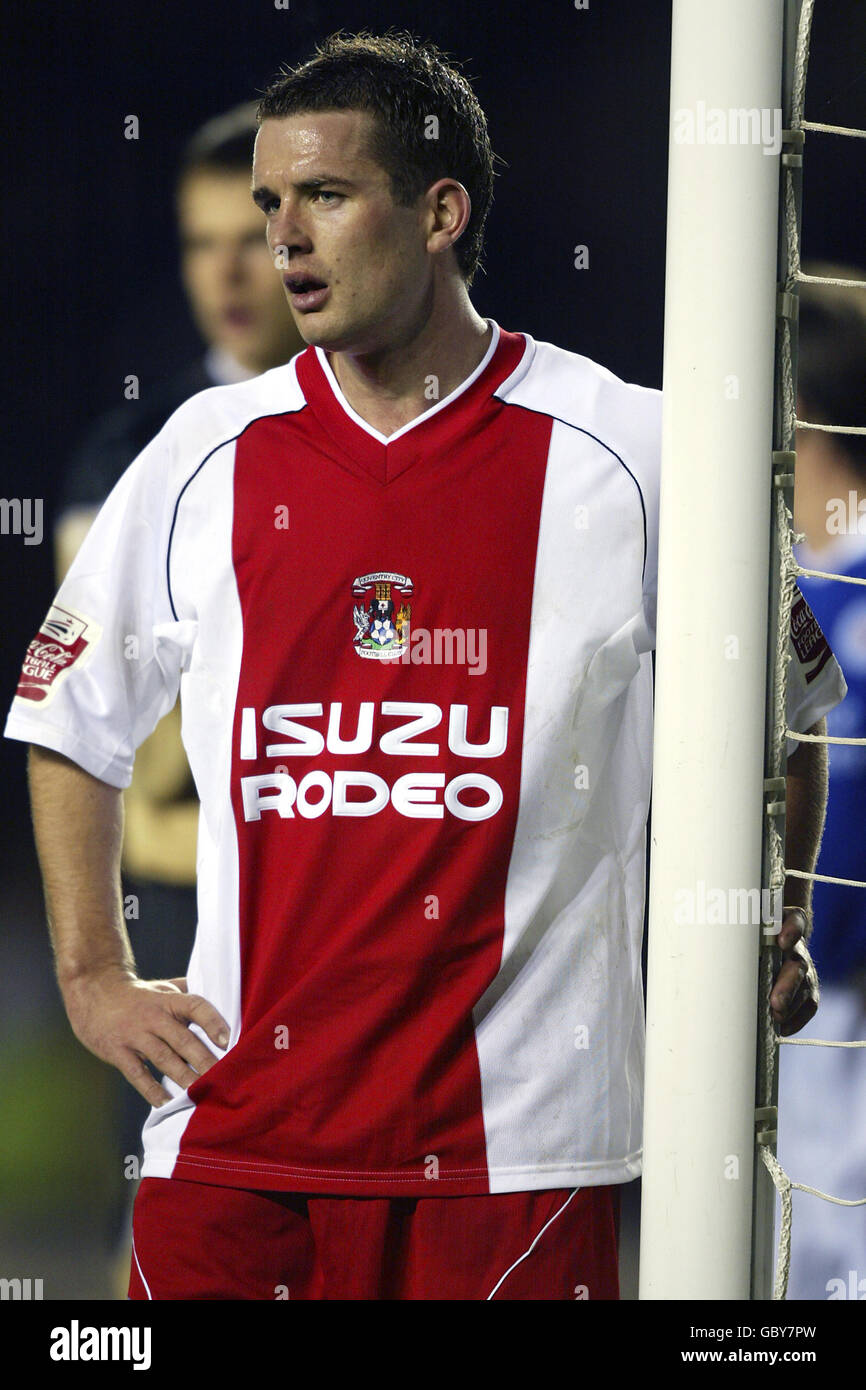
point(385, 457)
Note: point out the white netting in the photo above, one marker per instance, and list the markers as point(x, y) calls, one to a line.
point(789, 571)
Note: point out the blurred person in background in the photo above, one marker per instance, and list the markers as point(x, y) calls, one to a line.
point(822, 1090)
point(238, 304)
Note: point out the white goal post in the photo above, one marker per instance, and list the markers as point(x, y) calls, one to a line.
point(711, 669)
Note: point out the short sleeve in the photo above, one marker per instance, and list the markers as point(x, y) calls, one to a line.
point(105, 665)
point(815, 680)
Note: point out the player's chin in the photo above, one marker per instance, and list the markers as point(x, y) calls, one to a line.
point(312, 326)
point(329, 336)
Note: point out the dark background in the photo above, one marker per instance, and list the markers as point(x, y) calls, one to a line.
point(577, 105)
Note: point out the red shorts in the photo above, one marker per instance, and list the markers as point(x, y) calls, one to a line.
point(198, 1241)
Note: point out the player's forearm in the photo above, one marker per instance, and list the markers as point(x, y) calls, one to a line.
point(807, 782)
point(78, 827)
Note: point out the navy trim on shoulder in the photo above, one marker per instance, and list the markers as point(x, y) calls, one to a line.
point(232, 439)
point(549, 415)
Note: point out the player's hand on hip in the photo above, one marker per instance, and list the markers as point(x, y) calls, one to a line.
point(794, 996)
point(130, 1022)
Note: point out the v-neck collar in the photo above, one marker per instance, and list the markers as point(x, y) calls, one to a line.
point(385, 457)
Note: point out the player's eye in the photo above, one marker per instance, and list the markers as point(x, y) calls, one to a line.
point(326, 193)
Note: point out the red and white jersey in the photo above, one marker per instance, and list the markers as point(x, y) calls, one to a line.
point(416, 685)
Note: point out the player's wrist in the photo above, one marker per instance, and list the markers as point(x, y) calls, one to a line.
point(75, 974)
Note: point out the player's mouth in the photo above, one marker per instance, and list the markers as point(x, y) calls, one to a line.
point(306, 292)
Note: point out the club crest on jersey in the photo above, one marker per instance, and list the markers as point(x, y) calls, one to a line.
point(381, 614)
point(63, 639)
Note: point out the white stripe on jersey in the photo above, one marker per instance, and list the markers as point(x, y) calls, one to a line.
point(575, 908)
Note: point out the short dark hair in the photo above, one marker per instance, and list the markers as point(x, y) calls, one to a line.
point(403, 83)
point(223, 145)
point(831, 356)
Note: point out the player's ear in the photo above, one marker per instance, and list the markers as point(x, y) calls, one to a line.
point(449, 208)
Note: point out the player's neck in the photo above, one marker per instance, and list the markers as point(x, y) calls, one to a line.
point(392, 387)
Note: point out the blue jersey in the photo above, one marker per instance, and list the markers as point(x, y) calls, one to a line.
point(838, 943)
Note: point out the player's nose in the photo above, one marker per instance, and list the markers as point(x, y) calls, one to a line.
point(286, 229)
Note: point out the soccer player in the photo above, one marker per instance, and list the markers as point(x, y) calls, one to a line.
point(406, 585)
